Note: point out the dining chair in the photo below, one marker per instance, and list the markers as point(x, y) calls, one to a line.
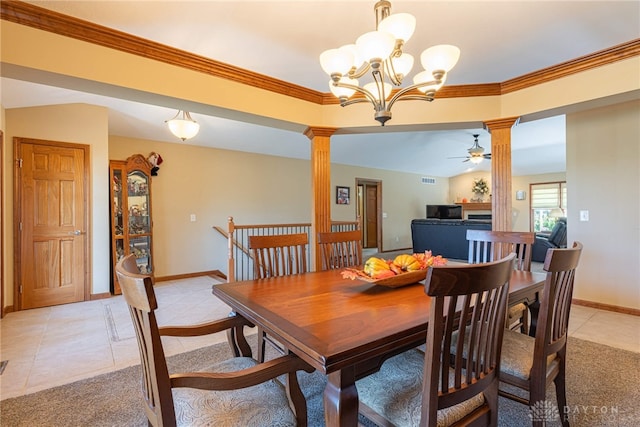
point(532, 363)
point(238, 391)
point(487, 245)
point(455, 381)
point(340, 249)
point(277, 255)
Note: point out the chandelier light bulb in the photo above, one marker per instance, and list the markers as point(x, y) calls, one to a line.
point(400, 25)
point(357, 60)
point(442, 57)
point(426, 77)
point(336, 61)
point(373, 88)
point(403, 64)
point(343, 92)
point(375, 46)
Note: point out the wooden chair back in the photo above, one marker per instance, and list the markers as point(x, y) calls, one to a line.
point(156, 386)
point(487, 245)
point(464, 338)
point(555, 305)
point(340, 249)
point(279, 255)
point(535, 372)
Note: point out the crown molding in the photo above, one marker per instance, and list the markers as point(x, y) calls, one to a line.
point(68, 26)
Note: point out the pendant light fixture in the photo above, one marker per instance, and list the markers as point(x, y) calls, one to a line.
point(183, 126)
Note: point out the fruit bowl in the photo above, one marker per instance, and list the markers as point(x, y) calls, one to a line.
point(399, 280)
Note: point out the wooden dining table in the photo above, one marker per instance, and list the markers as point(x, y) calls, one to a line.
point(345, 328)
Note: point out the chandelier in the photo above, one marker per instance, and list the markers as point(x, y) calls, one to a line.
point(380, 52)
point(184, 127)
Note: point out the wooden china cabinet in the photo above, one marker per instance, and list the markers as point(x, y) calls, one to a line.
point(131, 225)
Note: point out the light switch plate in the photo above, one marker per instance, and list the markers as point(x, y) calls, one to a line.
point(584, 215)
point(193, 217)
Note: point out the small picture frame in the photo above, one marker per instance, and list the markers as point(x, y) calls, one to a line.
point(342, 195)
point(520, 195)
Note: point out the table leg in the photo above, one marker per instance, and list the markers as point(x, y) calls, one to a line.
point(341, 399)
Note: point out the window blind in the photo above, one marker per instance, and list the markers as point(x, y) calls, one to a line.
point(545, 196)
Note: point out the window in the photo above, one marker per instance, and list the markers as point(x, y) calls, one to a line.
point(548, 203)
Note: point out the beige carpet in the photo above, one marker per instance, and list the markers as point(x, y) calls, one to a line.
point(602, 391)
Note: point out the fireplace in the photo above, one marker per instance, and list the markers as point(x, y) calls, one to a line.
point(479, 216)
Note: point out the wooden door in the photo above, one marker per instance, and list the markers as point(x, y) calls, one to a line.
point(369, 212)
point(371, 216)
point(52, 214)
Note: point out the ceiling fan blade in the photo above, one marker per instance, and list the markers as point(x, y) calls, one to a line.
point(460, 157)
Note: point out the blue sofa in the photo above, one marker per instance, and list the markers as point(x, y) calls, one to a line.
point(446, 237)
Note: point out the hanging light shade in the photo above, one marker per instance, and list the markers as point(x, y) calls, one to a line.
point(183, 126)
point(379, 53)
point(343, 92)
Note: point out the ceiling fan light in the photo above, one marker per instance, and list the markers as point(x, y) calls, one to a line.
point(373, 88)
point(442, 57)
point(336, 61)
point(343, 92)
point(185, 127)
point(399, 25)
point(476, 159)
point(375, 46)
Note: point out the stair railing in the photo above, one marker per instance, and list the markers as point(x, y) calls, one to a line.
point(240, 263)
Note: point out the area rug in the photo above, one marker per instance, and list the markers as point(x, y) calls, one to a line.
point(602, 390)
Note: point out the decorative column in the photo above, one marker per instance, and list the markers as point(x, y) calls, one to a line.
point(320, 185)
point(500, 130)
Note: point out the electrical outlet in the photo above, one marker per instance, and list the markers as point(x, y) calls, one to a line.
point(584, 215)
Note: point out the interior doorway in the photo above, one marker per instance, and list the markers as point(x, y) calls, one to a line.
point(51, 211)
point(369, 212)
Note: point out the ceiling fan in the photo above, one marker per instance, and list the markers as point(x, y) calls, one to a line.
point(476, 153)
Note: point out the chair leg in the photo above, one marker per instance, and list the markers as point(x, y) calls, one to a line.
point(261, 345)
point(561, 392)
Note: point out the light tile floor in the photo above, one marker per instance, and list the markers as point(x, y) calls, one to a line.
point(57, 345)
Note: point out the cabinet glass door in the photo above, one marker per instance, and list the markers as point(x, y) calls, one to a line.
point(118, 225)
point(141, 248)
point(139, 225)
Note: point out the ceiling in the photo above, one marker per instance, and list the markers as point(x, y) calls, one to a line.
point(499, 40)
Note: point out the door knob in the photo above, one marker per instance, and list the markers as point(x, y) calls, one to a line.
point(75, 233)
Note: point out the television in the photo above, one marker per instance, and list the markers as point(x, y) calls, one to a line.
point(444, 211)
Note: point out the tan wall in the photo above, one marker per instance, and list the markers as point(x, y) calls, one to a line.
point(404, 197)
point(603, 164)
point(602, 174)
point(214, 184)
point(521, 214)
point(77, 123)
